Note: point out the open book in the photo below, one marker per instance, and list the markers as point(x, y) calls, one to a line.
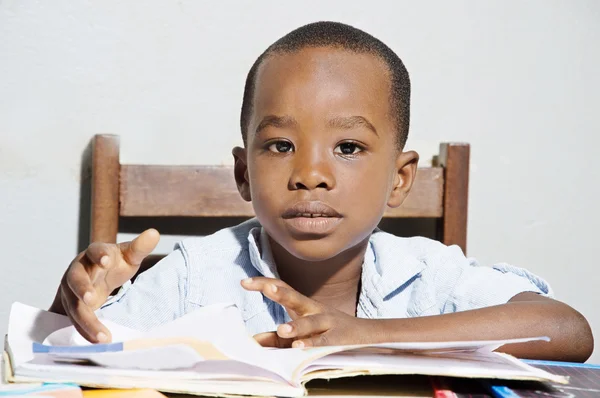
point(209, 352)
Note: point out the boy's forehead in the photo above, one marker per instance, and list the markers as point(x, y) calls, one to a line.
point(323, 80)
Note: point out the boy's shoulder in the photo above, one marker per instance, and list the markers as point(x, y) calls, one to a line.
point(390, 248)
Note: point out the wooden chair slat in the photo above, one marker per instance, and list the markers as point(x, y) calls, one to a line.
point(210, 191)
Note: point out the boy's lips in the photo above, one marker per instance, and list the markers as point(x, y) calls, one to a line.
point(312, 218)
point(312, 209)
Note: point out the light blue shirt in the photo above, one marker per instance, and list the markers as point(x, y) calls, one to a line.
point(401, 278)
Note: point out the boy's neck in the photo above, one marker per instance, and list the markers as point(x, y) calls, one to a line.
point(335, 282)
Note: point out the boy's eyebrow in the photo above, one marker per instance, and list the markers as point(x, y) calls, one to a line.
point(346, 123)
point(351, 122)
point(276, 121)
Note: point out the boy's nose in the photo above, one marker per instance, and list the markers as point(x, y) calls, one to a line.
point(311, 173)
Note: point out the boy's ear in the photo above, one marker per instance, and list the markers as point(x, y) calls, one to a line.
point(406, 170)
point(240, 171)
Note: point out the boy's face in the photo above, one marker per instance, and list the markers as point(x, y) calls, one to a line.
point(321, 161)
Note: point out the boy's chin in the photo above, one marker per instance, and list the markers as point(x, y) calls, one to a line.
point(314, 250)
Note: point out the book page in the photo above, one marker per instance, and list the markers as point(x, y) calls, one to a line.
point(28, 324)
point(69, 336)
point(219, 355)
point(293, 363)
point(210, 333)
point(479, 364)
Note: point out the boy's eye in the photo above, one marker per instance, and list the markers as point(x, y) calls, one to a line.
point(281, 147)
point(348, 148)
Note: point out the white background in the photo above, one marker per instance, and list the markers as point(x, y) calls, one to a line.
point(519, 80)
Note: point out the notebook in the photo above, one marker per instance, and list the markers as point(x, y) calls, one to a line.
point(209, 352)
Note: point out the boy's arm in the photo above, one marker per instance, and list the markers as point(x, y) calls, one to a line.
point(525, 315)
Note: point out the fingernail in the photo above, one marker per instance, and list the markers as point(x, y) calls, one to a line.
point(285, 328)
point(87, 298)
point(104, 260)
point(247, 281)
point(102, 338)
point(298, 344)
point(274, 288)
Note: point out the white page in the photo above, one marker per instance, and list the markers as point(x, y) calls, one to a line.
point(462, 364)
point(156, 358)
point(28, 324)
point(286, 362)
point(186, 326)
point(206, 382)
point(229, 377)
point(290, 363)
point(69, 336)
point(220, 324)
point(206, 370)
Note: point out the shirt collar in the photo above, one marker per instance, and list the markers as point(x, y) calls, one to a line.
point(260, 252)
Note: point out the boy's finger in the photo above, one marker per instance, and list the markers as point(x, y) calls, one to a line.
point(79, 282)
point(100, 254)
point(305, 326)
point(138, 249)
point(260, 283)
point(318, 340)
point(83, 318)
point(291, 299)
point(257, 283)
point(271, 339)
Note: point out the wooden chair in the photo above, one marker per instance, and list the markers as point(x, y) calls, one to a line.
point(121, 192)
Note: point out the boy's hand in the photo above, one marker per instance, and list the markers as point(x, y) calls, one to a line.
point(93, 275)
point(313, 324)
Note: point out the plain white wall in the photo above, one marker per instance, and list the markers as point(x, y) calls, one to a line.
point(518, 80)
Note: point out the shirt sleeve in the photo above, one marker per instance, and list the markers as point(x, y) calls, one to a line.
point(480, 286)
point(156, 297)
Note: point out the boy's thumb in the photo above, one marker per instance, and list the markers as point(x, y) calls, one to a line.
point(272, 339)
point(138, 249)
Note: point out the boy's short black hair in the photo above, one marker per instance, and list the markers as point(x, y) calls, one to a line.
point(339, 35)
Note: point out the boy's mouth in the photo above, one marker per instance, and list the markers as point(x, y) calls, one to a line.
point(312, 218)
point(312, 209)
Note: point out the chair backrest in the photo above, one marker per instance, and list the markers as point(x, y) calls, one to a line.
point(122, 191)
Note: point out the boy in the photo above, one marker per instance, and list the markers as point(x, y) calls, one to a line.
point(324, 120)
